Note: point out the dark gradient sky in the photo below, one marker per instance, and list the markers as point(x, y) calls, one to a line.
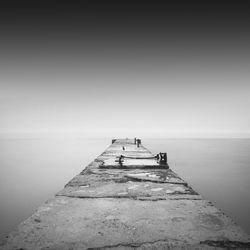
point(125, 69)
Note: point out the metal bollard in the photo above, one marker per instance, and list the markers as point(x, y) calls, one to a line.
point(138, 142)
point(162, 157)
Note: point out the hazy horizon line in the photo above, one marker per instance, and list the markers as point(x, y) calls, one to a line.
point(127, 134)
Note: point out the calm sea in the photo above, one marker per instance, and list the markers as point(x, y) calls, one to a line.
point(33, 170)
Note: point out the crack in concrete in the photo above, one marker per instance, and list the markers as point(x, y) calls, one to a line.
point(187, 199)
point(134, 167)
point(222, 244)
point(149, 198)
point(227, 244)
point(155, 181)
point(141, 198)
point(132, 245)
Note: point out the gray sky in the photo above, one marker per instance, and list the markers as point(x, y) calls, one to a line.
point(125, 75)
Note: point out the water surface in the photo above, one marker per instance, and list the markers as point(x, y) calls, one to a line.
point(218, 169)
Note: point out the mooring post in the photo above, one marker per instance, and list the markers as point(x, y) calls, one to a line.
point(162, 158)
point(120, 160)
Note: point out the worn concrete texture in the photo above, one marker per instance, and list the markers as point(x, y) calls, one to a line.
point(127, 208)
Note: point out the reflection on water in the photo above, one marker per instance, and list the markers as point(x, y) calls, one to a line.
point(33, 170)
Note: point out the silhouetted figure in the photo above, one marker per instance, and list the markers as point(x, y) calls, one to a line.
point(123, 148)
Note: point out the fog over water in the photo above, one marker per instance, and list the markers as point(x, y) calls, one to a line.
point(33, 170)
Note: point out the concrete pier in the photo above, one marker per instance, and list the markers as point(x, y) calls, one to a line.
point(127, 198)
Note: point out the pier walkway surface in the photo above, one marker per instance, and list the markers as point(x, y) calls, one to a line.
point(128, 202)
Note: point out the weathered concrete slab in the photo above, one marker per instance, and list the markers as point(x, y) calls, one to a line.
point(72, 223)
point(129, 189)
point(119, 183)
point(127, 153)
point(131, 163)
point(156, 176)
point(127, 208)
point(128, 147)
point(92, 174)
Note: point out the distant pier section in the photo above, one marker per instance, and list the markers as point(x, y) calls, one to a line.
point(127, 198)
